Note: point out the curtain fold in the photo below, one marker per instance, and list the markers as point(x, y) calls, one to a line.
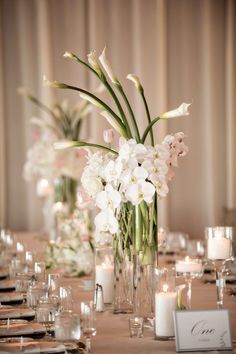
point(181, 50)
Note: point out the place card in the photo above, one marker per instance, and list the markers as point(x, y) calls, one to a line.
point(202, 330)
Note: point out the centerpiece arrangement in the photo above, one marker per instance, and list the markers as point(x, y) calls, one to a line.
point(57, 174)
point(127, 182)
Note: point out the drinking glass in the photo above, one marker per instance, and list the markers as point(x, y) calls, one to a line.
point(40, 270)
point(196, 248)
point(189, 268)
point(67, 326)
point(88, 323)
point(23, 281)
point(16, 266)
point(66, 299)
point(35, 293)
point(219, 250)
point(45, 314)
point(29, 260)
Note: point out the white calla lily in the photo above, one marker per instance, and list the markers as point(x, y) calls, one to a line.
point(136, 81)
point(182, 110)
point(107, 67)
point(111, 120)
point(92, 59)
point(90, 99)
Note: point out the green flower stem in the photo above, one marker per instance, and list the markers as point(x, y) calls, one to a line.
point(148, 116)
point(151, 224)
point(103, 79)
point(83, 143)
point(149, 127)
point(133, 120)
point(138, 229)
point(98, 100)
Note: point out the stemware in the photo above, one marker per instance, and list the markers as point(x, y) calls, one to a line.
point(88, 323)
point(189, 268)
point(219, 251)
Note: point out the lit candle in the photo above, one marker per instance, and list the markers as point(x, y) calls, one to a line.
point(105, 277)
point(43, 188)
point(188, 265)
point(165, 305)
point(219, 248)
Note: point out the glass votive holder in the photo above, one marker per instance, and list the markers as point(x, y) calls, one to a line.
point(165, 303)
point(67, 326)
point(136, 327)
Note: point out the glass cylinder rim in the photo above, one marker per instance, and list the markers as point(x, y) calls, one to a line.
point(214, 231)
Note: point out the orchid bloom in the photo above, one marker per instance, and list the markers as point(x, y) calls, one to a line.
point(105, 221)
point(182, 110)
point(110, 198)
point(107, 67)
point(108, 136)
point(136, 193)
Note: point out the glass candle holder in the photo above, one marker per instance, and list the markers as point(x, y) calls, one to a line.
point(165, 303)
point(189, 268)
point(219, 240)
point(136, 327)
point(104, 272)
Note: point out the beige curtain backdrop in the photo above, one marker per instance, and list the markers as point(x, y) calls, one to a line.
point(182, 50)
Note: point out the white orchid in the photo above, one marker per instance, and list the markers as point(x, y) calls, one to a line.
point(142, 191)
point(161, 186)
point(112, 171)
point(182, 110)
point(109, 198)
point(91, 183)
point(107, 67)
point(105, 221)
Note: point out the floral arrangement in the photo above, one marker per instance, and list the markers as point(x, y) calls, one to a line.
point(56, 172)
point(72, 253)
point(127, 182)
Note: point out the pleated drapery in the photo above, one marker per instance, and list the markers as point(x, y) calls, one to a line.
point(182, 50)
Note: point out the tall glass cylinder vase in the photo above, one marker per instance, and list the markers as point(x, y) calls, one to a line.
point(104, 271)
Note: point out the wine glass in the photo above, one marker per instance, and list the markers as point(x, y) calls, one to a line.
point(189, 268)
point(219, 251)
point(88, 323)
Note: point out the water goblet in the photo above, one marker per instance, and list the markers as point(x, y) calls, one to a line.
point(219, 250)
point(88, 323)
point(189, 268)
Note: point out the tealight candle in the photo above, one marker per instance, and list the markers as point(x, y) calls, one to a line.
point(165, 305)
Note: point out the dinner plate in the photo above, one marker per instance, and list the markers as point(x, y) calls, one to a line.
point(32, 347)
point(10, 297)
point(21, 329)
point(16, 312)
point(7, 284)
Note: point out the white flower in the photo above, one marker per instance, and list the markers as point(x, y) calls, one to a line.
point(109, 198)
point(108, 136)
point(136, 193)
point(90, 99)
point(161, 186)
point(112, 171)
point(105, 221)
point(92, 59)
point(107, 67)
point(155, 168)
point(136, 81)
point(182, 110)
point(113, 122)
point(158, 152)
point(91, 183)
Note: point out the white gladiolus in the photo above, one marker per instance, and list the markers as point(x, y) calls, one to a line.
point(107, 67)
point(182, 110)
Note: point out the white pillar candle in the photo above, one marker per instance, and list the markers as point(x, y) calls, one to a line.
point(165, 305)
point(188, 265)
point(105, 277)
point(219, 248)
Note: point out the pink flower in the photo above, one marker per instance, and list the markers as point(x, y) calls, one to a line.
point(108, 136)
point(83, 200)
